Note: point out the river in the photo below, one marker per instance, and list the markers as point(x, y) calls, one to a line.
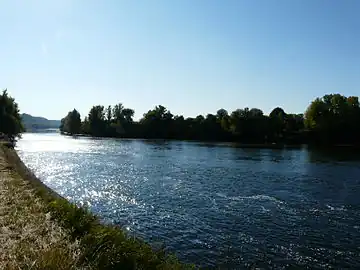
point(212, 204)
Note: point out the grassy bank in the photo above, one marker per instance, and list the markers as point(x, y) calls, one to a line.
point(88, 243)
point(29, 237)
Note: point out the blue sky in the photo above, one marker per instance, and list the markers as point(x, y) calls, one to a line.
point(192, 56)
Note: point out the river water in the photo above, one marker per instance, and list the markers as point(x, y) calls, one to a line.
point(212, 204)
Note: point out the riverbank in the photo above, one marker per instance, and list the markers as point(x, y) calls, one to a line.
point(41, 230)
point(29, 238)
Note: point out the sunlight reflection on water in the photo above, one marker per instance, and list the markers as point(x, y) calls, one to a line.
point(212, 205)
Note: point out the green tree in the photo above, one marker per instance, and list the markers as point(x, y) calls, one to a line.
point(97, 122)
point(224, 120)
point(334, 118)
point(157, 123)
point(277, 124)
point(248, 125)
point(128, 114)
point(109, 114)
point(85, 127)
point(118, 112)
point(71, 123)
point(121, 125)
point(10, 119)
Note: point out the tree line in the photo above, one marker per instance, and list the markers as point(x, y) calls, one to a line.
point(332, 119)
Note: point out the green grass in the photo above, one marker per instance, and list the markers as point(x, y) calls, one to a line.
point(107, 246)
point(102, 246)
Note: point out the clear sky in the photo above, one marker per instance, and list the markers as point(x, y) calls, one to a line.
point(192, 56)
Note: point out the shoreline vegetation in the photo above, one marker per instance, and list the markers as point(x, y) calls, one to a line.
point(332, 120)
point(81, 241)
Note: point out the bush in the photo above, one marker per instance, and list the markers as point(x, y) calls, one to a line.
point(10, 120)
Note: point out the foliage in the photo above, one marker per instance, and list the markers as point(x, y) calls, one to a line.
point(334, 119)
point(111, 122)
point(10, 119)
point(156, 123)
point(331, 119)
point(96, 120)
point(71, 123)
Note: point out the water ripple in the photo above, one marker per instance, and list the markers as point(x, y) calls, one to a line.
point(214, 206)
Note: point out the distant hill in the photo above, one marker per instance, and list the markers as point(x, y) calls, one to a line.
point(35, 122)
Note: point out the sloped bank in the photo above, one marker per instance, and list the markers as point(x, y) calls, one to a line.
point(29, 238)
point(101, 246)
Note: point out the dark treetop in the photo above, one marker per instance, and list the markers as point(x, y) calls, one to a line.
point(332, 119)
point(10, 120)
